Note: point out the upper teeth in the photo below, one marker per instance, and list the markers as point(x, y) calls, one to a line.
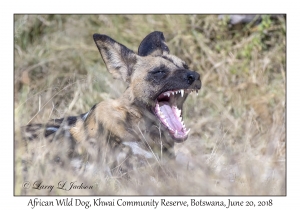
point(174, 92)
point(181, 91)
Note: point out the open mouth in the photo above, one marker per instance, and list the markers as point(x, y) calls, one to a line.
point(167, 111)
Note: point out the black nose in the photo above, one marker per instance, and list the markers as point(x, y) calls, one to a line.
point(191, 77)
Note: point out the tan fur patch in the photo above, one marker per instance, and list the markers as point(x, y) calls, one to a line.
point(77, 131)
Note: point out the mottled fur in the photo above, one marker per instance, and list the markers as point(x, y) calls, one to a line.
point(126, 132)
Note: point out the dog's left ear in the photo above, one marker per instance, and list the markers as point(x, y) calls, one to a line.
point(154, 44)
point(119, 59)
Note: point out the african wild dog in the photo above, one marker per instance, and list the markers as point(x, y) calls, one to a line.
point(146, 120)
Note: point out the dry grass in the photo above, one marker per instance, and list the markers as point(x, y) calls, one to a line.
point(238, 127)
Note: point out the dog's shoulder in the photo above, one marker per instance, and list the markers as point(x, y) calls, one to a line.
point(107, 117)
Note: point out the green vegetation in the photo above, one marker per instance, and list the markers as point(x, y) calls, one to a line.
point(237, 144)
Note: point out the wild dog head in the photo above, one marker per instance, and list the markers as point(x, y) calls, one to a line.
point(158, 82)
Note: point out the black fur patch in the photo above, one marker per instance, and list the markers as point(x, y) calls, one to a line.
point(33, 128)
point(71, 120)
point(154, 41)
point(90, 112)
point(100, 128)
point(185, 66)
point(49, 132)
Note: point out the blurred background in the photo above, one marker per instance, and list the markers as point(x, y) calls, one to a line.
point(237, 143)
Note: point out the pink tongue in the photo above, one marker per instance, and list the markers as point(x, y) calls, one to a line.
point(170, 116)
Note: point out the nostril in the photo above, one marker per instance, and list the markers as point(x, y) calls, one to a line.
point(190, 78)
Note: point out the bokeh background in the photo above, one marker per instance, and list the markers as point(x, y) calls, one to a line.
point(237, 143)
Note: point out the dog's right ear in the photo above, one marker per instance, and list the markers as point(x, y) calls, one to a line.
point(119, 59)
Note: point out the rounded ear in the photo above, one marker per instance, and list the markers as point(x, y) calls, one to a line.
point(118, 59)
point(153, 44)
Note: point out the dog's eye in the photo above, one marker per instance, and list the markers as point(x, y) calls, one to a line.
point(159, 72)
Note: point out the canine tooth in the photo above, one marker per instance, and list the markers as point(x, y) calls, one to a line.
point(187, 132)
point(176, 133)
point(168, 94)
point(182, 92)
point(172, 92)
